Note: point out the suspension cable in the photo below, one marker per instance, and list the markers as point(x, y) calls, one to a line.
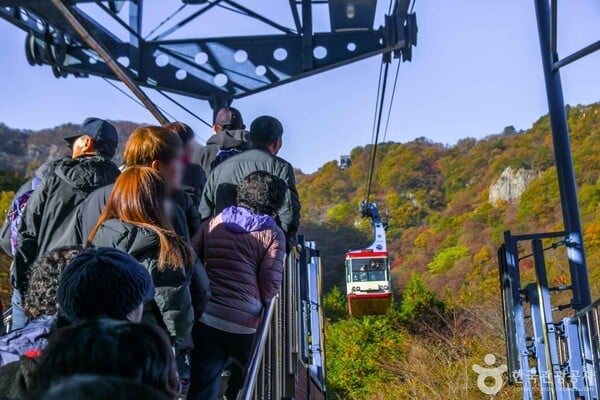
point(136, 100)
point(376, 104)
point(376, 139)
point(184, 108)
point(387, 122)
point(167, 19)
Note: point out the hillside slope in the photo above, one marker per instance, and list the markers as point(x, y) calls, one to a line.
point(442, 223)
point(20, 149)
point(443, 236)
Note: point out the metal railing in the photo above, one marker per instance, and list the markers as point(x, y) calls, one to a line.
point(553, 355)
point(257, 375)
point(276, 369)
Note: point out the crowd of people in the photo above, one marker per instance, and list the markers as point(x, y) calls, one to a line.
point(148, 279)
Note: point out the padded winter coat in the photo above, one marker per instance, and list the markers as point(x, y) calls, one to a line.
point(244, 256)
point(180, 293)
point(31, 339)
point(50, 217)
point(185, 219)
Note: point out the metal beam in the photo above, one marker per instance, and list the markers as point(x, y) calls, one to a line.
point(564, 161)
point(259, 17)
point(307, 39)
point(295, 15)
point(587, 50)
point(123, 75)
point(185, 21)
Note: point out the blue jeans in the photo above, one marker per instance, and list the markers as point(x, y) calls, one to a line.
point(212, 349)
point(19, 319)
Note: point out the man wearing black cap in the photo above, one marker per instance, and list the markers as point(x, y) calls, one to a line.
point(229, 139)
point(49, 220)
point(220, 190)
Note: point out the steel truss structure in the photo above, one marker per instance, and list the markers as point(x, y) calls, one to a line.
point(553, 355)
point(217, 69)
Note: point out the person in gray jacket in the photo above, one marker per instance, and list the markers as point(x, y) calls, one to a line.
point(220, 190)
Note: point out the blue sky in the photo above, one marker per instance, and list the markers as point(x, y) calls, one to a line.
point(476, 70)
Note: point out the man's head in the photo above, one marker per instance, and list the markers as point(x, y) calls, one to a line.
point(158, 148)
point(262, 193)
point(95, 137)
point(186, 134)
point(40, 298)
point(266, 133)
point(228, 118)
point(104, 282)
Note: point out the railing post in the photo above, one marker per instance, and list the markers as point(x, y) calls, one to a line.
point(564, 161)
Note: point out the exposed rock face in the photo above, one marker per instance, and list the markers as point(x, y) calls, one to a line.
point(511, 185)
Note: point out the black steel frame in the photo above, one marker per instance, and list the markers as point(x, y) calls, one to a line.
point(204, 68)
point(547, 21)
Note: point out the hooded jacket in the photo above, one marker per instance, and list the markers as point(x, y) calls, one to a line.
point(244, 257)
point(221, 188)
point(179, 292)
point(31, 339)
point(224, 140)
point(49, 220)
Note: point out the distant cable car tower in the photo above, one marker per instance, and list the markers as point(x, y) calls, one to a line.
point(368, 281)
point(345, 162)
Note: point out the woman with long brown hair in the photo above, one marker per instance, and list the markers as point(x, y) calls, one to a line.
point(135, 220)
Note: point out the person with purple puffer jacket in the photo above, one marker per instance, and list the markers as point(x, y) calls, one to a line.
point(243, 251)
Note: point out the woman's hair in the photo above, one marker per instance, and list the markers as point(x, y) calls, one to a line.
point(138, 198)
point(139, 352)
point(151, 143)
point(96, 387)
point(40, 297)
point(182, 130)
point(262, 193)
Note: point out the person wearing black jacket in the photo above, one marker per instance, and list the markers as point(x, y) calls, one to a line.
point(230, 138)
point(160, 149)
point(220, 191)
point(49, 219)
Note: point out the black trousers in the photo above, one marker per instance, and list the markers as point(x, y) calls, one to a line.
point(212, 349)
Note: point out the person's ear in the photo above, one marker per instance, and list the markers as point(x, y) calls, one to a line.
point(155, 165)
point(88, 144)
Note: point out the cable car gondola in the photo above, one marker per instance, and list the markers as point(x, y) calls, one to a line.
point(345, 162)
point(368, 281)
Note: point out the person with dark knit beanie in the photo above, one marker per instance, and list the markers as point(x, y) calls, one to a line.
point(99, 282)
point(104, 282)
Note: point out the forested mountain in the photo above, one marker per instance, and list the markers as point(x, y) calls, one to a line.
point(448, 207)
point(20, 149)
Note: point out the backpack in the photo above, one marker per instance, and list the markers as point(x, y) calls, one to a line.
point(222, 155)
point(15, 213)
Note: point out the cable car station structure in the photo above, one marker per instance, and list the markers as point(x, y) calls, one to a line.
point(288, 358)
point(553, 350)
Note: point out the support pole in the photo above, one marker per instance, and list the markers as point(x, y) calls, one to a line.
point(564, 160)
point(122, 74)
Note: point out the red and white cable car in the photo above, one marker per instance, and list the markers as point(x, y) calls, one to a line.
point(368, 280)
